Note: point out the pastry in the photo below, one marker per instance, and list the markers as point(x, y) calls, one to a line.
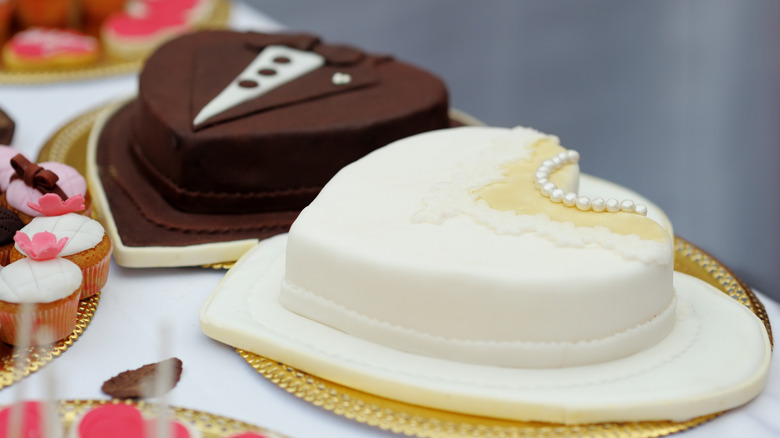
point(205, 162)
point(9, 225)
point(145, 25)
point(33, 413)
point(476, 270)
point(123, 421)
point(47, 48)
point(42, 287)
point(33, 180)
point(88, 246)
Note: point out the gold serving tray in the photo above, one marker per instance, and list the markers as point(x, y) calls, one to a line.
point(105, 66)
point(34, 358)
point(210, 425)
point(68, 145)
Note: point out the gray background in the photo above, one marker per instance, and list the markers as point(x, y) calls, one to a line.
point(676, 99)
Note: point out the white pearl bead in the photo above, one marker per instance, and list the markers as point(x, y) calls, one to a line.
point(627, 205)
point(548, 163)
point(640, 209)
point(613, 206)
point(583, 203)
point(563, 156)
point(598, 204)
point(569, 199)
point(548, 188)
point(557, 195)
point(544, 169)
point(574, 156)
point(540, 182)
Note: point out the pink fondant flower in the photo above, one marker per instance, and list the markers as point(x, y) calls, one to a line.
point(43, 246)
point(51, 204)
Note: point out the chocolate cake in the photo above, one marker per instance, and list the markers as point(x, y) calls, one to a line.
point(232, 134)
point(6, 128)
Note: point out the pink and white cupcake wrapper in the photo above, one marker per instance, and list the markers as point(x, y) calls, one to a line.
point(96, 276)
point(49, 325)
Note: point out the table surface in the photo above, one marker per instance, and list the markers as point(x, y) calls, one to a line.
point(138, 305)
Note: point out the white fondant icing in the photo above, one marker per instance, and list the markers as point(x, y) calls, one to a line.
point(82, 232)
point(716, 358)
point(30, 281)
point(300, 63)
point(400, 242)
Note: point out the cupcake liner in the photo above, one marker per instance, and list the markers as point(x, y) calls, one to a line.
point(5, 254)
point(95, 276)
point(51, 321)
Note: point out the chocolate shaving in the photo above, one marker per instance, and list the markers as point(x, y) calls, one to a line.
point(141, 382)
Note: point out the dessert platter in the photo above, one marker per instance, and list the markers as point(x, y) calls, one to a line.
point(389, 259)
point(105, 41)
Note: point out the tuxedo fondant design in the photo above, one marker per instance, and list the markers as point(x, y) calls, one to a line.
point(232, 133)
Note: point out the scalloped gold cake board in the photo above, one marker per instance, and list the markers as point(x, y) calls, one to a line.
point(105, 66)
point(68, 145)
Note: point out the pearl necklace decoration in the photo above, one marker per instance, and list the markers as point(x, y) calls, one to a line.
point(570, 199)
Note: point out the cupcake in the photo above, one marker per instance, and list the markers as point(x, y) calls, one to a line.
point(42, 287)
point(88, 245)
point(9, 225)
point(7, 153)
point(105, 420)
point(31, 181)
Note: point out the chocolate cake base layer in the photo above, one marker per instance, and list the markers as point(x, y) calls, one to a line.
point(144, 218)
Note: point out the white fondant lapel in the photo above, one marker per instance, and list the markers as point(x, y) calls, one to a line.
point(272, 68)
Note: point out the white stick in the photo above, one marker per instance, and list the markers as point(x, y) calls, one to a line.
point(21, 353)
point(162, 382)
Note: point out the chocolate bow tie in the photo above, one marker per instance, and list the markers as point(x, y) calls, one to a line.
point(35, 176)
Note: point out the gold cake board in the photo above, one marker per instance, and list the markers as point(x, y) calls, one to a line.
point(68, 145)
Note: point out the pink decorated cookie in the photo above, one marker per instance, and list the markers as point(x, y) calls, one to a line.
point(31, 181)
point(123, 421)
point(39, 47)
point(140, 29)
point(31, 426)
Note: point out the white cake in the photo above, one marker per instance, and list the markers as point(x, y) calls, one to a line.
point(462, 271)
point(435, 259)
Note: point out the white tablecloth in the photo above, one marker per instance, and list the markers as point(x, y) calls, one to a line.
point(138, 304)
